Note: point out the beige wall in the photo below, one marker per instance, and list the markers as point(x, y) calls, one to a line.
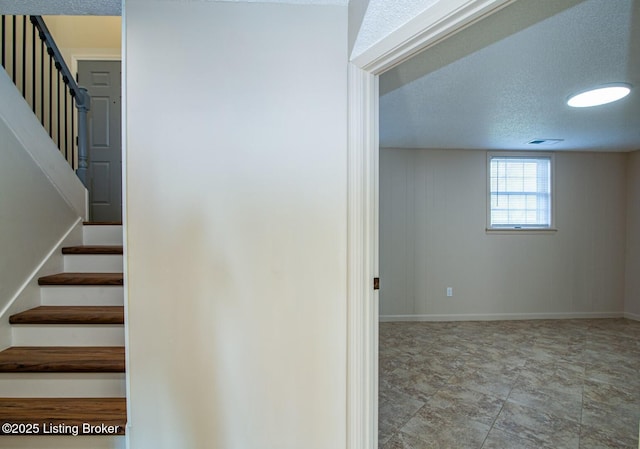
point(632, 292)
point(433, 220)
point(86, 31)
point(236, 244)
point(86, 35)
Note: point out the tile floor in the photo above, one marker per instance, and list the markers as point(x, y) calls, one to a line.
point(543, 384)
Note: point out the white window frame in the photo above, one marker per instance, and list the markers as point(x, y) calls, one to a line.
point(524, 155)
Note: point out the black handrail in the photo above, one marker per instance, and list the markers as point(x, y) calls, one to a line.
point(20, 54)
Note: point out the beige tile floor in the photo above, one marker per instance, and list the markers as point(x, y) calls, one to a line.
point(543, 384)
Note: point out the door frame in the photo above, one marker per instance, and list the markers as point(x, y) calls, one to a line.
point(427, 29)
point(97, 56)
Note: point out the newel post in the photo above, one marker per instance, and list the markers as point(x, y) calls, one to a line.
point(83, 103)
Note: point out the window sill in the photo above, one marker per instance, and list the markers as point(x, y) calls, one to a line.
point(522, 231)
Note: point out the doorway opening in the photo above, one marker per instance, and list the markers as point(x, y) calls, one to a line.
point(102, 79)
point(432, 26)
point(431, 163)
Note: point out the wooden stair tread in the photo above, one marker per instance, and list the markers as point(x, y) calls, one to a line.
point(67, 411)
point(63, 359)
point(82, 279)
point(93, 249)
point(70, 315)
point(102, 223)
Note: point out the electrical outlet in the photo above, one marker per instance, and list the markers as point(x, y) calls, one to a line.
point(449, 291)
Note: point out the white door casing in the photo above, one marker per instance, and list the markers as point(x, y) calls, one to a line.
point(432, 26)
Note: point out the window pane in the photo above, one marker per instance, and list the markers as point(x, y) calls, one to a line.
point(500, 217)
point(530, 184)
point(516, 217)
point(519, 189)
point(514, 184)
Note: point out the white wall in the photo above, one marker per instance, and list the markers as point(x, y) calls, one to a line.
point(236, 243)
point(40, 196)
point(433, 220)
point(632, 292)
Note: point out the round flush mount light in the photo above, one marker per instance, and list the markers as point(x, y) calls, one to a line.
point(606, 93)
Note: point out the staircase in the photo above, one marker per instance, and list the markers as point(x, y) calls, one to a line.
point(63, 376)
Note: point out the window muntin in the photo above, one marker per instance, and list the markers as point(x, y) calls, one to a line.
point(520, 195)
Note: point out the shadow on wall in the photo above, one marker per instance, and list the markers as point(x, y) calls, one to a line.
point(181, 365)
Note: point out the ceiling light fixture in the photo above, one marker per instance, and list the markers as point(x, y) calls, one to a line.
point(606, 93)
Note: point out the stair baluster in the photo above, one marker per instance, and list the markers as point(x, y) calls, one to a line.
point(20, 54)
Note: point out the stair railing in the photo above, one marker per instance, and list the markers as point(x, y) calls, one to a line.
point(24, 46)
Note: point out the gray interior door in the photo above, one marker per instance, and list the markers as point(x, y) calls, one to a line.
point(103, 81)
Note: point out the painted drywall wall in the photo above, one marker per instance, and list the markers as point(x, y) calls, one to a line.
point(236, 243)
point(432, 228)
point(40, 196)
point(632, 279)
point(86, 31)
point(86, 37)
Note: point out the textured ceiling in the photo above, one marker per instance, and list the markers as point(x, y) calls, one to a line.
point(504, 81)
point(62, 7)
point(112, 7)
point(290, 2)
point(383, 17)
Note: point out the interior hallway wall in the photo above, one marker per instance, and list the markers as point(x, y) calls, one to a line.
point(236, 224)
point(432, 227)
point(632, 291)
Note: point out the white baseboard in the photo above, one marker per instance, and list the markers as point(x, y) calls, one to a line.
point(632, 316)
point(503, 316)
point(28, 295)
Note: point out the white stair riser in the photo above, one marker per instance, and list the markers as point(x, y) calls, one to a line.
point(72, 384)
point(74, 295)
point(69, 385)
point(102, 235)
point(63, 442)
point(67, 335)
point(93, 263)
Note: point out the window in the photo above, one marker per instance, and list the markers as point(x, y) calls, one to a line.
point(520, 195)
